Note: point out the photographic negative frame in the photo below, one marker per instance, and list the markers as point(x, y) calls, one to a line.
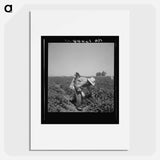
point(78, 117)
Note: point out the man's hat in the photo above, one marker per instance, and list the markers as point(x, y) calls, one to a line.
point(92, 80)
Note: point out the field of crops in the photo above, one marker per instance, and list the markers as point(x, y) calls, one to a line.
point(59, 93)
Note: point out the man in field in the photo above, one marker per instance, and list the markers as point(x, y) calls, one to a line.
point(78, 84)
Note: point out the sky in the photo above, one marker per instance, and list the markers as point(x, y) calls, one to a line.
point(64, 59)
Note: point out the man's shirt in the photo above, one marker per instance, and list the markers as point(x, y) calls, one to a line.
point(81, 82)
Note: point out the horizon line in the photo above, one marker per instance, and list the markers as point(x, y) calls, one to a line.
point(80, 76)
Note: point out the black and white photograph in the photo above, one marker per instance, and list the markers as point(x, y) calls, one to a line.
point(80, 79)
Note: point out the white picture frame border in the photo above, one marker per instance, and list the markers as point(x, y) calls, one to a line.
point(38, 131)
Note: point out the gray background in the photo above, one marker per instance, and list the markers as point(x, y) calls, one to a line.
point(142, 83)
point(64, 59)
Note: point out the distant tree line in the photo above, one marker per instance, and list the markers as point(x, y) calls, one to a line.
point(103, 73)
